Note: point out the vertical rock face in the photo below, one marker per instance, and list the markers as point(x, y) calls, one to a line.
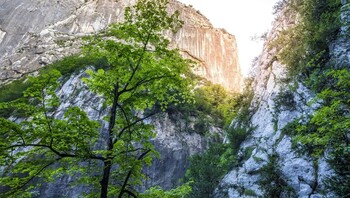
point(39, 32)
point(267, 138)
point(214, 49)
point(2, 35)
point(298, 170)
point(36, 33)
point(173, 141)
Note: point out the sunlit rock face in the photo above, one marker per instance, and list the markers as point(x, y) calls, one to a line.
point(36, 33)
point(214, 49)
point(296, 169)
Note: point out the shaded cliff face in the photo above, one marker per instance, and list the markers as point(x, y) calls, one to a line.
point(298, 170)
point(175, 140)
point(36, 33)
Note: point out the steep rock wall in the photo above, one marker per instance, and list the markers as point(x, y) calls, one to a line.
point(214, 49)
point(298, 170)
point(174, 141)
point(36, 33)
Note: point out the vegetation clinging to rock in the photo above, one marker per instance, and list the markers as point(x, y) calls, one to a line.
point(272, 181)
point(141, 73)
point(208, 168)
point(305, 49)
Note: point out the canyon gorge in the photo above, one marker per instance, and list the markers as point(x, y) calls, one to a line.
point(34, 34)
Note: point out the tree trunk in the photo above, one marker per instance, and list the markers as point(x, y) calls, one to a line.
point(105, 179)
point(107, 164)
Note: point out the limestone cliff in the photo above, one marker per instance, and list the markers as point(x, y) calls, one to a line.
point(174, 141)
point(36, 33)
point(304, 177)
point(214, 49)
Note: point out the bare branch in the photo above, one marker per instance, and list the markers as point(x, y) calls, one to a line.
point(124, 113)
point(144, 81)
point(113, 116)
point(132, 124)
point(62, 155)
point(138, 62)
point(123, 189)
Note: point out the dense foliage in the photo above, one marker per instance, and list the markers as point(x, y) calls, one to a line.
point(66, 66)
point(212, 105)
point(339, 161)
point(327, 130)
point(304, 48)
point(157, 192)
point(138, 74)
point(207, 169)
point(272, 181)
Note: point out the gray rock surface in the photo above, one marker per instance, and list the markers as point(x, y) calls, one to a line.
point(174, 142)
point(267, 138)
point(38, 32)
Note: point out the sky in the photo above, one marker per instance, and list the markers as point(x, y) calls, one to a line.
point(243, 18)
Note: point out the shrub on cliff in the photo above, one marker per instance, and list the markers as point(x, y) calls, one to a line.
point(304, 48)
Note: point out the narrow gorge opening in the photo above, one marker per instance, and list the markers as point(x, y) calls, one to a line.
point(145, 98)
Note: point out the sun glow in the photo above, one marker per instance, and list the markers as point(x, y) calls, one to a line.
point(242, 18)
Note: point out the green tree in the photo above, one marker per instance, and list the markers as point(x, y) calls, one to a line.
point(304, 46)
point(156, 192)
point(328, 128)
point(206, 170)
point(272, 181)
point(142, 76)
point(339, 183)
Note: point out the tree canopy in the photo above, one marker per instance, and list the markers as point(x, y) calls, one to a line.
point(141, 77)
